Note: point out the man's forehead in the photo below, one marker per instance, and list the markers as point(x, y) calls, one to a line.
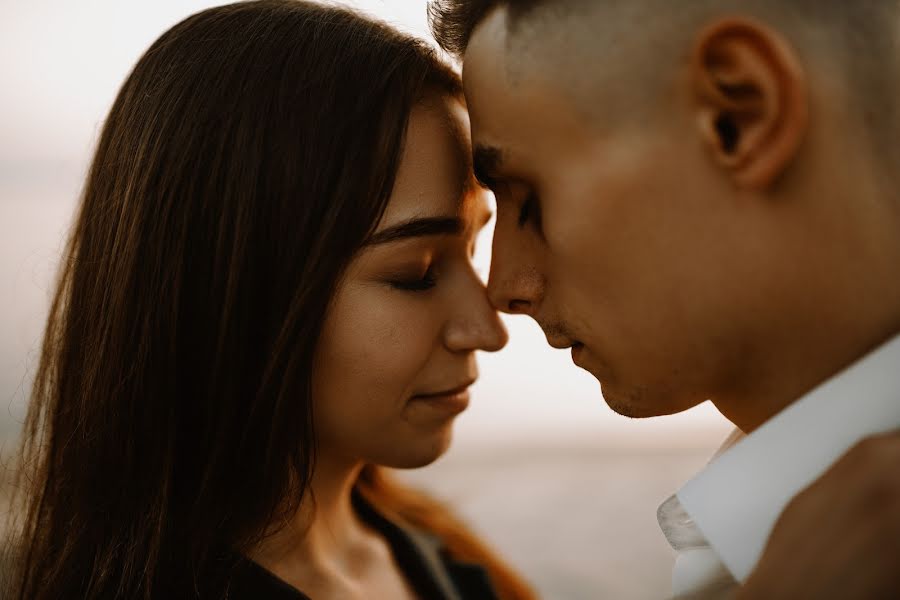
point(505, 47)
point(509, 114)
point(514, 40)
point(519, 64)
point(486, 53)
point(484, 84)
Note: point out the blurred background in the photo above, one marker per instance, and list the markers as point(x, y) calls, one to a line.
point(562, 486)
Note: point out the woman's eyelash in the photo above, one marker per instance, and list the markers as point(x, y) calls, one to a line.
point(416, 285)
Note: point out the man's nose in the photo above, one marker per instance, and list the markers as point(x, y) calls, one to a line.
point(515, 285)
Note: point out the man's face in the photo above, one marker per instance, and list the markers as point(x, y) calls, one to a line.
point(616, 235)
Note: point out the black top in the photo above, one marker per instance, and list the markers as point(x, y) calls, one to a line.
point(421, 557)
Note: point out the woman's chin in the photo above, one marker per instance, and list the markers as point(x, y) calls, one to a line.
point(414, 454)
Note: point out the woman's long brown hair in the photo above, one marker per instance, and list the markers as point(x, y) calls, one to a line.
point(247, 156)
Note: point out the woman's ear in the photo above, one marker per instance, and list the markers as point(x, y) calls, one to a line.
point(751, 99)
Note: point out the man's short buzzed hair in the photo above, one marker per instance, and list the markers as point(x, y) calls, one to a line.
point(857, 40)
point(453, 21)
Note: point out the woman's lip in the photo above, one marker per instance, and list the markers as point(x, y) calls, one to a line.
point(453, 402)
point(458, 389)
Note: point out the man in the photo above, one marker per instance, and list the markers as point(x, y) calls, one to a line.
point(702, 200)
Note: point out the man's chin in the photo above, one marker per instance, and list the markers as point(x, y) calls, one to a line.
point(639, 403)
point(631, 410)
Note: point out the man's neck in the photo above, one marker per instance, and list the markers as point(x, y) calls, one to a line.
point(819, 337)
point(837, 299)
point(792, 371)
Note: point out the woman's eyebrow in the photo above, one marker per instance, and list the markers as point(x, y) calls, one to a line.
point(417, 228)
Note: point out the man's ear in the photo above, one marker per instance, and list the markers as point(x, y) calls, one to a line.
point(751, 99)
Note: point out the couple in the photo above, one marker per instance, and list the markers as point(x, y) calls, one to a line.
point(268, 297)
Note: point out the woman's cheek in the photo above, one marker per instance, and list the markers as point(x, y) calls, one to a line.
point(406, 333)
point(383, 336)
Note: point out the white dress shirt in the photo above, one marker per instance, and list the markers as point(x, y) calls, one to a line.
point(720, 520)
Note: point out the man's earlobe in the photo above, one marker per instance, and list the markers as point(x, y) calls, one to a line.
point(751, 99)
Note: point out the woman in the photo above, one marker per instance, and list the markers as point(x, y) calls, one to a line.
point(267, 294)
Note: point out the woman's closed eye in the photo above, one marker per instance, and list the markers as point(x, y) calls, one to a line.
point(415, 284)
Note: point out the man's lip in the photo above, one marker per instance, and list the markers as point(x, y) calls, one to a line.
point(563, 343)
point(449, 392)
point(560, 344)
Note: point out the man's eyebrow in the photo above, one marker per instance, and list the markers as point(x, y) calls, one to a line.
point(417, 228)
point(486, 162)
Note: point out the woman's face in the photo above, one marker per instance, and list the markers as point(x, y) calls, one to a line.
point(397, 350)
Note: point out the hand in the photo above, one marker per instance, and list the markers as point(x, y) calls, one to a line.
point(839, 538)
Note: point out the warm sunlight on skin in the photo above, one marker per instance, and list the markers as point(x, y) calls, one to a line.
point(398, 348)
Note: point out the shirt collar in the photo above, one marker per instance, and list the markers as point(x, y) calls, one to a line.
point(736, 500)
point(676, 524)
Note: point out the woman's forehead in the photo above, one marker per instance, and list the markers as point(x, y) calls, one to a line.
point(434, 177)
